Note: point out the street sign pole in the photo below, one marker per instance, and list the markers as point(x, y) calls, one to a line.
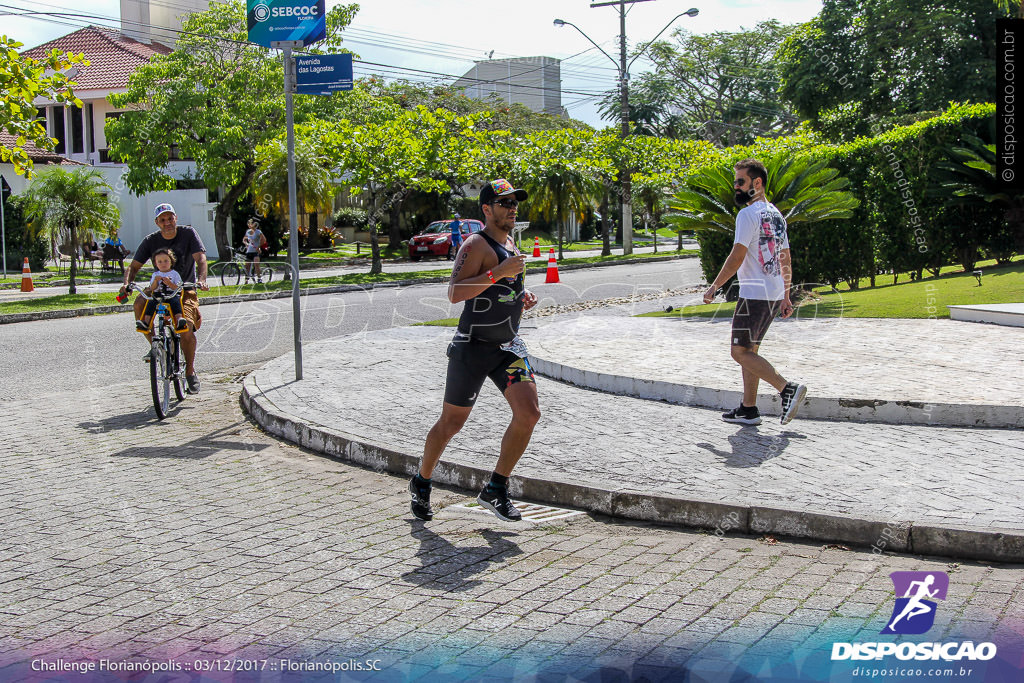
point(300, 23)
point(3, 225)
point(293, 212)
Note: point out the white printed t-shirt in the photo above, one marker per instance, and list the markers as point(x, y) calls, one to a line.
point(761, 228)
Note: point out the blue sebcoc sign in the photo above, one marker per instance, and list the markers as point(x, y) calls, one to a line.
point(323, 74)
point(270, 21)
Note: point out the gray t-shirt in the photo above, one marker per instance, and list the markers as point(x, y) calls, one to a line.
point(185, 243)
point(253, 240)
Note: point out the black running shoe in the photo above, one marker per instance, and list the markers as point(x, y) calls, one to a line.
point(420, 501)
point(499, 503)
point(744, 415)
point(193, 384)
point(141, 326)
point(792, 398)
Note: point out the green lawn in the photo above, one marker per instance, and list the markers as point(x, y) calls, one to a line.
point(67, 301)
point(925, 299)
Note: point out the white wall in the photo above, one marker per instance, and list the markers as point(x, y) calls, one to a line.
point(149, 20)
point(137, 218)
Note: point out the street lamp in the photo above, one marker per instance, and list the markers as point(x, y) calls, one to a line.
point(622, 68)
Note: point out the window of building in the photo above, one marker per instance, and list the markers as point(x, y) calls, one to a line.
point(57, 129)
point(77, 131)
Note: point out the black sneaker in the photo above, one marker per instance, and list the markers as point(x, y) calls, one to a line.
point(499, 503)
point(743, 415)
point(148, 357)
point(792, 398)
point(420, 501)
point(193, 383)
point(141, 326)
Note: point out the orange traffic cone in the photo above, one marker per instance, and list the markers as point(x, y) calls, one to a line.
point(536, 247)
point(26, 278)
point(552, 268)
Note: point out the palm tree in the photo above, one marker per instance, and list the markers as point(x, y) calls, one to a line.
point(803, 190)
point(314, 184)
point(968, 180)
point(70, 207)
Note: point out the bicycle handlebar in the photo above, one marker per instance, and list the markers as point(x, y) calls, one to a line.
point(187, 286)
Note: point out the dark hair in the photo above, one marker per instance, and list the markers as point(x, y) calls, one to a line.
point(754, 169)
point(165, 250)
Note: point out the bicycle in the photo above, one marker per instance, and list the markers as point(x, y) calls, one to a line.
point(231, 271)
point(165, 366)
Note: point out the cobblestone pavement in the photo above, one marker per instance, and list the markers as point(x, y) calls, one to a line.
point(930, 475)
point(942, 361)
point(202, 540)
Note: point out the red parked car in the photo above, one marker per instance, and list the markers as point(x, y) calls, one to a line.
point(436, 240)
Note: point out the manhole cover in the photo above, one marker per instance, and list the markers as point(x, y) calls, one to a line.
point(531, 511)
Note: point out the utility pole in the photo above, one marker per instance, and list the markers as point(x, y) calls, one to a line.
point(625, 173)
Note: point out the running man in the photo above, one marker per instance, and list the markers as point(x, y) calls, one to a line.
point(914, 606)
point(760, 256)
point(489, 277)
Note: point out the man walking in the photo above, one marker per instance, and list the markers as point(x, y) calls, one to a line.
point(760, 257)
point(190, 263)
point(488, 275)
point(456, 227)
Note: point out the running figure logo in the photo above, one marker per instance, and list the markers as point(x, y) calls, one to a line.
point(914, 613)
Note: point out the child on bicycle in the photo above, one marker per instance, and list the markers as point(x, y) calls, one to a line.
point(165, 280)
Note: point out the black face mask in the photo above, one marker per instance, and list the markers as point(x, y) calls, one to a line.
point(743, 197)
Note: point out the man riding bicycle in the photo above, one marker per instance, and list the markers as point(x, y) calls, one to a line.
point(190, 264)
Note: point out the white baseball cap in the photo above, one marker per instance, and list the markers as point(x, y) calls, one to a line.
point(163, 208)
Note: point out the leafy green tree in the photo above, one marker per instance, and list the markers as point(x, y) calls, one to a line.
point(382, 158)
point(23, 80)
point(70, 207)
point(314, 181)
point(881, 59)
point(216, 100)
point(556, 169)
point(804, 190)
point(968, 180)
point(721, 87)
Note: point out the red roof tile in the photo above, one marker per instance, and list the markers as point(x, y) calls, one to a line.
point(112, 56)
point(37, 155)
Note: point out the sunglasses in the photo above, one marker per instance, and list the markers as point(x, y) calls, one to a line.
point(506, 203)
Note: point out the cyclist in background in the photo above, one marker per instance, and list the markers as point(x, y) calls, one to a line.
point(253, 242)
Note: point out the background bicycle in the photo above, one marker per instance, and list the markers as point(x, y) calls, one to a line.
point(231, 271)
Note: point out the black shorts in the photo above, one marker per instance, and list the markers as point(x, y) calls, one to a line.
point(250, 255)
point(751, 320)
point(469, 363)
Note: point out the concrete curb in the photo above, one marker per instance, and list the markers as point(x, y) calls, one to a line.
point(9, 318)
point(718, 516)
point(858, 410)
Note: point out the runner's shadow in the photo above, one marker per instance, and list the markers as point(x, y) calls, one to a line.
point(448, 567)
point(751, 449)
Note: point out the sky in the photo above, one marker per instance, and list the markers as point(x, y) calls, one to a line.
point(411, 37)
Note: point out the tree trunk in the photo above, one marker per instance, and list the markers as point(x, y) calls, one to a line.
point(73, 267)
point(967, 256)
point(679, 242)
point(376, 267)
point(394, 236)
point(606, 246)
point(223, 211)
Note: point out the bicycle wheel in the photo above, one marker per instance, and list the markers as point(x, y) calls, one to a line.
point(230, 275)
point(158, 377)
point(177, 369)
point(268, 275)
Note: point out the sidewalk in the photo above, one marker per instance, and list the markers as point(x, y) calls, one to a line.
point(948, 491)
